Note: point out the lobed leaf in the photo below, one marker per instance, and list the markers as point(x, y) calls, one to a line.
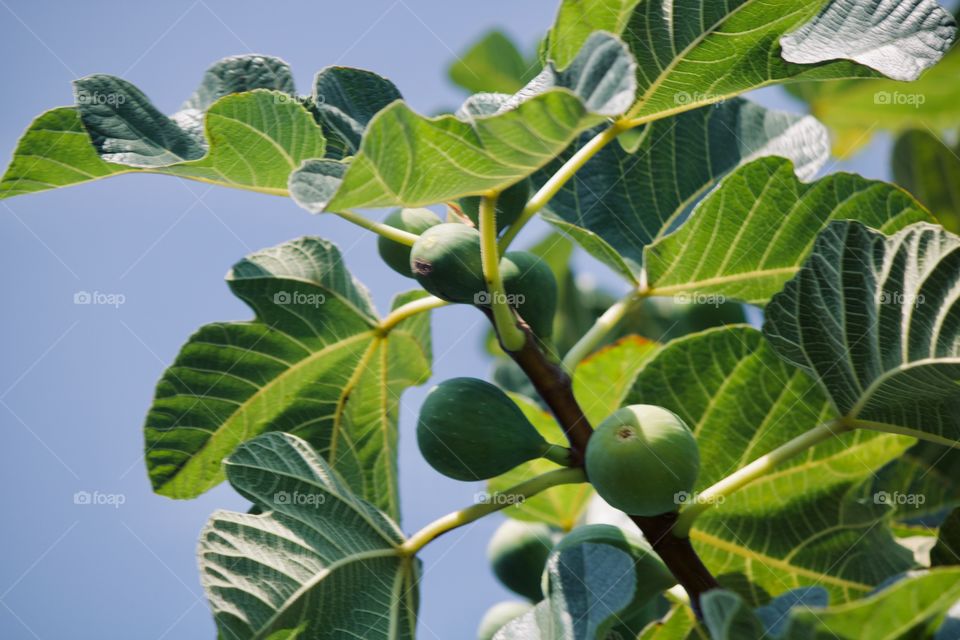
point(319, 562)
point(313, 363)
point(875, 320)
point(752, 234)
point(622, 201)
point(813, 521)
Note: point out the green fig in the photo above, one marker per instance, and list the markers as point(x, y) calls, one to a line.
point(530, 283)
point(643, 460)
point(445, 260)
point(396, 254)
point(510, 205)
point(499, 615)
point(518, 552)
point(471, 430)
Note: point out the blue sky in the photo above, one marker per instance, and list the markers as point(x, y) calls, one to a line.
point(77, 380)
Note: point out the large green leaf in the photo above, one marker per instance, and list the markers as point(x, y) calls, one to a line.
point(590, 585)
point(748, 237)
point(813, 521)
point(930, 473)
point(345, 101)
point(906, 609)
point(559, 506)
point(925, 166)
point(621, 201)
point(313, 363)
point(242, 128)
point(410, 160)
point(876, 320)
point(856, 109)
point(318, 563)
point(492, 64)
point(710, 50)
point(577, 20)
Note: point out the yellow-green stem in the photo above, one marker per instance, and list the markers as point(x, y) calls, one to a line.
point(397, 235)
point(511, 336)
point(409, 310)
point(600, 330)
point(495, 502)
point(753, 471)
point(560, 178)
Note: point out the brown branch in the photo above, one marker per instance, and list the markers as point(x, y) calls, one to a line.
point(556, 388)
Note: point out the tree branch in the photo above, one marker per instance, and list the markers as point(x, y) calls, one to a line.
point(556, 388)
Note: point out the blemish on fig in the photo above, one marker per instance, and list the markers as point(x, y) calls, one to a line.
point(422, 267)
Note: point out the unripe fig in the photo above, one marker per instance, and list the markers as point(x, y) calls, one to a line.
point(499, 615)
point(445, 260)
point(470, 430)
point(416, 221)
point(518, 552)
point(642, 460)
point(510, 205)
point(530, 281)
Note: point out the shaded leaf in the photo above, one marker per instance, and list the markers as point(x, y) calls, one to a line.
point(947, 550)
point(577, 20)
point(492, 64)
point(318, 562)
point(238, 74)
point(345, 100)
point(621, 201)
point(875, 320)
point(313, 363)
point(929, 470)
point(926, 167)
point(751, 235)
point(813, 520)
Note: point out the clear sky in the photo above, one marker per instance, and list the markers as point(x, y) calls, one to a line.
point(77, 380)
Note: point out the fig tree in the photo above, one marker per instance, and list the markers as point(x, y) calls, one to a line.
point(642, 460)
point(531, 284)
point(471, 430)
point(445, 260)
point(498, 616)
point(518, 552)
point(416, 221)
point(510, 205)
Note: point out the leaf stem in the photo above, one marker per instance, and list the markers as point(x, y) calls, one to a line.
point(600, 330)
point(560, 178)
point(496, 502)
point(755, 470)
point(409, 310)
point(511, 336)
point(397, 235)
